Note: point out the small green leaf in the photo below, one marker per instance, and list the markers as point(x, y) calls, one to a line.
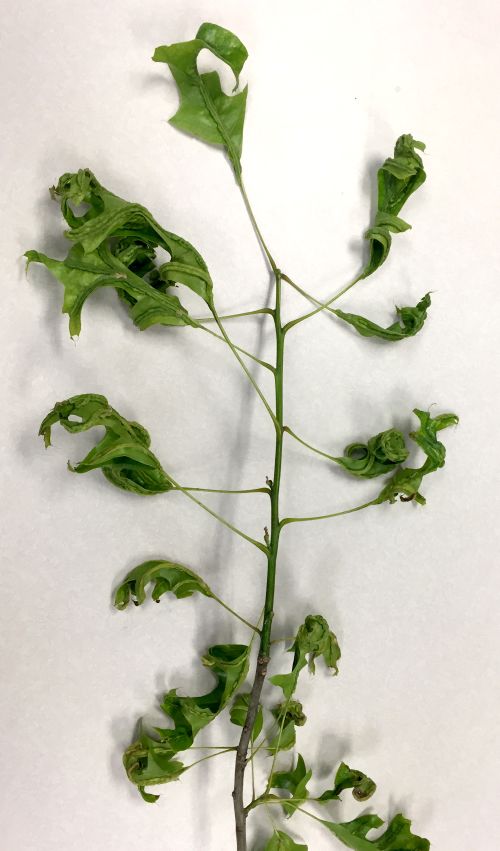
point(379, 456)
point(205, 111)
point(397, 836)
point(398, 178)
point(168, 577)
point(239, 712)
point(295, 782)
point(284, 740)
point(411, 320)
point(362, 786)
point(283, 842)
point(407, 480)
point(123, 453)
point(314, 639)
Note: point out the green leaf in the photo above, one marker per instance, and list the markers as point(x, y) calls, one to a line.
point(411, 320)
point(150, 760)
point(362, 786)
point(288, 715)
point(398, 178)
point(379, 456)
point(284, 740)
point(147, 764)
point(314, 639)
point(123, 453)
point(295, 782)
point(407, 480)
point(397, 836)
point(239, 712)
point(115, 245)
point(167, 576)
point(282, 842)
point(205, 111)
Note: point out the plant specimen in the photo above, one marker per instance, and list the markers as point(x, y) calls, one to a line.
point(114, 243)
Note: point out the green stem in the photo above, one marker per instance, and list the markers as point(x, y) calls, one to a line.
point(245, 370)
point(218, 517)
point(322, 305)
point(287, 520)
point(224, 339)
point(272, 555)
point(312, 448)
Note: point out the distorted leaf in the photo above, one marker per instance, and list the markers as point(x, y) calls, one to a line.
point(115, 244)
point(239, 712)
point(407, 480)
point(150, 760)
point(362, 786)
point(410, 321)
point(398, 178)
point(123, 453)
point(167, 576)
point(284, 740)
point(280, 841)
point(313, 640)
point(379, 456)
point(397, 836)
point(295, 782)
point(205, 111)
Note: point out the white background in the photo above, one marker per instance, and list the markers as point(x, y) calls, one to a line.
point(411, 592)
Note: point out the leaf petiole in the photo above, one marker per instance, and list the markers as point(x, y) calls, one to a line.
point(308, 445)
point(322, 305)
point(218, 517)
point(287, 520)
point(225, 339)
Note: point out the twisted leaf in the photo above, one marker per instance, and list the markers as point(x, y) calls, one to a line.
point(122, 454)
point(115, 244)
point(288, 715)
point(398, 178)
point(282, 842)
point(314, 639)
point(167, 576)
point(410, 321)
point(397, 836)
point(239, 712)
point(205, 111)
point(380, 455)
point(407, 480)
point(362, 786)
point(150, 761)
point(295, 782)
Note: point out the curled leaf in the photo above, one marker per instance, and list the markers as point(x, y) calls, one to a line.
point(239, 712)
point(410, 321)
point(295, 782)
point(150, 760)
point(283, 842)
point(380, 455)
point(115, 245)
point(313, 640)
point(123, 453)
point(362, 786)
point(407, 480)
point(167, 576)
point(398, 178)
point(205, 111)
point(397, 836)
